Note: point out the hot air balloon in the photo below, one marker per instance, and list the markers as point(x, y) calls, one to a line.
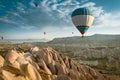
point(82, 18)
point(72, 32)
point(2, 37)
point(36, 4)
point(44, 33)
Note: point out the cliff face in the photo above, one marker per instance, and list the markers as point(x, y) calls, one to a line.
point(44, 64)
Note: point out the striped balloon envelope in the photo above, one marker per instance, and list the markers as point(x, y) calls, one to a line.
point(82, 18)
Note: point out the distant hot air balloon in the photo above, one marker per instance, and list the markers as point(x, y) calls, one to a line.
point(36, 4)
point(72, 32)
point(82, 18)
point(2, 37)
point(44, 33)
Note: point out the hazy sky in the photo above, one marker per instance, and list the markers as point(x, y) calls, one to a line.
point(20, 19)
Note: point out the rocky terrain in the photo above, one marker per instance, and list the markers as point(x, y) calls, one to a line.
point(43, 64)
point(98, 51)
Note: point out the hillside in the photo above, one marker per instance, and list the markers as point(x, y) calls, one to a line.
point(98, 51)
point(94, 39)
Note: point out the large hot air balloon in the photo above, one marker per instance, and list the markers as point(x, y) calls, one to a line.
point(82, 18)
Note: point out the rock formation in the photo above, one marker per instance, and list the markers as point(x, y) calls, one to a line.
point(44, 64)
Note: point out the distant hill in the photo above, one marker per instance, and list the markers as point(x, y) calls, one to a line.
point(22, 40)
point(105, 49)
point(94, 39)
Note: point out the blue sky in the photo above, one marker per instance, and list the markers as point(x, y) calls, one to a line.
point(20, 19)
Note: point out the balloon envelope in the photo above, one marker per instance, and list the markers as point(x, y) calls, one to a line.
point(82, 18)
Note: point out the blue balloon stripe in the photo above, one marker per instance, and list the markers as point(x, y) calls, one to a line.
point(82, 28)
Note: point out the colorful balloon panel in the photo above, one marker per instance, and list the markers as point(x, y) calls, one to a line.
point(82, 20)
